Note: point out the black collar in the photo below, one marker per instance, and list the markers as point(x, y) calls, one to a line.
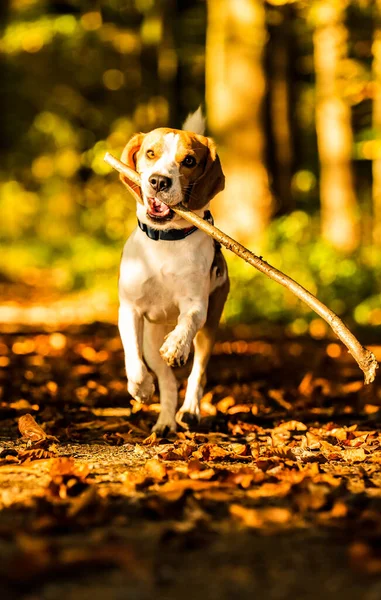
point(171, 235)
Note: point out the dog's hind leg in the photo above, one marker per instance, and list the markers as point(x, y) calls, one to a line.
point(189, 413)
point(153, 338)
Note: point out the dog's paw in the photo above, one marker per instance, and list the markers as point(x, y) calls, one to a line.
point(143, 390)
point(165, 424)
point(187, 419)
point(175, 350)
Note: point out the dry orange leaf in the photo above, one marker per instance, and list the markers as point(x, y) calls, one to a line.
point(30, 430)
point(213, 452)
point(156, 469)
point(271, 490)
point(291, 426)
point(186, 484)
point(151, 439)
point(226, 403)
point(67, 466)
point(259, 517)
point(353, 454)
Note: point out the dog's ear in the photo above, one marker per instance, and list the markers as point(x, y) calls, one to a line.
point(129, 158)
point(210, 182)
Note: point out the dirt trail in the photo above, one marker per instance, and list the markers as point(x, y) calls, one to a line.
point(277, 493)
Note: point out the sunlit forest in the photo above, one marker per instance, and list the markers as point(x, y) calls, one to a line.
point(259, 477)
point(292, 94)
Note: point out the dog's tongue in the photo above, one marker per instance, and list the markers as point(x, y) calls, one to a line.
point(157, 208)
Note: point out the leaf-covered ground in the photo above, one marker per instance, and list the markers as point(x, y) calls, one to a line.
point(276, 495)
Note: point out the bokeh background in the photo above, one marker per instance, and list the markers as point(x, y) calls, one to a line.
point(292, 93)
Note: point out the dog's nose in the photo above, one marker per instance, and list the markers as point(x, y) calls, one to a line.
point(160, 182)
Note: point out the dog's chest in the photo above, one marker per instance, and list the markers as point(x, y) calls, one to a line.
point(156, 275)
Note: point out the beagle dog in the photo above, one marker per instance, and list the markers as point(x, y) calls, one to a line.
point(173, 280)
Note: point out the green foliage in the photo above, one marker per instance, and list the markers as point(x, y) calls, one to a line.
point(346, 284)
point(80, 83)
point(90, 260)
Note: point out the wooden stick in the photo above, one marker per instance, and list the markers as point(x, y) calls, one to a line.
point(124, 170)
point(364, 357)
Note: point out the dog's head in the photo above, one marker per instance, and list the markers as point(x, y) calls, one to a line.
point(175, 166)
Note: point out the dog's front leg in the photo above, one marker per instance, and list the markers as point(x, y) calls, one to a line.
point(139, 380)
point(176, 348)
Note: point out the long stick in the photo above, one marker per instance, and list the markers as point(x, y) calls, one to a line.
point(364, 357)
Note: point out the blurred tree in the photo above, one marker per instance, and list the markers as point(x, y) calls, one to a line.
point(235, 87)
point(333, 126)
point(81, 76)
point(279, 56)
point(186, 20)
point(167, 61)
point(4, 11)
point(377, 125)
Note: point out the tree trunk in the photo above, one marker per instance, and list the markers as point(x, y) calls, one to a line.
point(333, 124)
point(167, 59)
point(376, 166)
point(4, 101)
point(235, 86)
point(279, 67)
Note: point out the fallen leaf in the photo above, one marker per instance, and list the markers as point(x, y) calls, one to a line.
point(240, 449)
point(186, 484)
point(211, 452)
point(291, 426)
point(196, 470)
point(30, 430)
point(24, 405)
point(155, 469)
point(226, 403)
point(260, 517)
point(151, 439)
point(305, 387)
point(313, 441)
point(35, 454)
point(358, 441)
point(68, 466)
point(278, 397)
point(353, 454)
point(243, 478)
point(271, 490)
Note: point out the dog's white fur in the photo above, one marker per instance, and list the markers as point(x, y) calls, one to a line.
point(164, 291)
point(166, 165)
point(195, 122)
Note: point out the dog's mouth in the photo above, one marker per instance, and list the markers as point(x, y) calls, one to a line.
point(158, 211)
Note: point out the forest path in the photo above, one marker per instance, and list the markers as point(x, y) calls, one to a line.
point(277, 494)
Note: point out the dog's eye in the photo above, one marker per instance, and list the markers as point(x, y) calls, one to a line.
point(189, 161)
point(150, 154)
